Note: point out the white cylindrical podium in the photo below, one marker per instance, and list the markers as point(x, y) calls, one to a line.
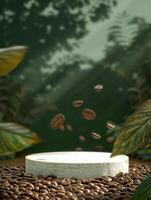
point(76, 164)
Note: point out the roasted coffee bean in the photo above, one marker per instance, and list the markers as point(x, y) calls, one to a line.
point(98, 88)
point(77, 103)
point(61, 128)
point(110, 139)
point(69, 127)
point(112, 183)
point(110, 125)
point(78, 149)
point(43, 191)
point(88, 114)
point(57, 121)
point(96, 136)
point(28, 192)
point(81, 138)
point(98, 147)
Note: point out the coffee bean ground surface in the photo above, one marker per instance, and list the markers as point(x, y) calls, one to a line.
point(15, 183)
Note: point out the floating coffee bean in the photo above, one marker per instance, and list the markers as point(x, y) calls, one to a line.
point(57, 121)
point(110, 139)
point(81, 138)
point(109, 125)
point(88, 114)
point(62, 128)
point(98, 88)
point(98, 147)
point(77, 103)
point(69, 127)
point(78, 149)
point(96, 136)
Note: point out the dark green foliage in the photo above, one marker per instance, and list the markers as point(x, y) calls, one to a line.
point(143, 191)
point(123, 31)
point(10, 99)
point(135, 133)
point(53, 27)
point(47, 31)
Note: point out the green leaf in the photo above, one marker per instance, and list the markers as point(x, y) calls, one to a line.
point(136, 131)
point(143, 191)
point(14, 138)
point(10, 57)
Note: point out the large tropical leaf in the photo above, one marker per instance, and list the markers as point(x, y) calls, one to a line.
point(14, 138)
point(143, 191)
point(136, 131)
point(10, 57)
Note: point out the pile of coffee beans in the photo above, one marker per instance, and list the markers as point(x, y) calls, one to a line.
point(15, 183)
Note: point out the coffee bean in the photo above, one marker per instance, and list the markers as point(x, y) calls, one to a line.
point(110, 139)
point(15, 196)
point(88, 114)
point(77, 103)
point(43, 191)
point(57, 121)
point(60, 194)
point(69, 127)
point(62, 128)
point(112, 183)
point(78, 149)
point(98, 147)
point(110, 125)
point(81, 138)
point(117, 196)
point(96, 136)
point(112, 189)
point(98, 88)
point(28, 192)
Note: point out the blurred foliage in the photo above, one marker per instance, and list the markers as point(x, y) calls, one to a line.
point(10, 99)
point(143, 191)
point(123, 31)
point(59, 26)
point(141, 87)
point(135, 133)
point(54, 22)
point(10, 58)
point(13, 137)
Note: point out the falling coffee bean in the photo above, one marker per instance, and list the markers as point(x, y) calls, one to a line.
point(69, 127)
point(77, 103)
point(57, 121)
point(81, 138)
point(109, 125)
point(98, 88)
point(62, 128)
point(78, 149)
point(96, 136)
point(110, 139)
point(88, 114)
point(98, 147)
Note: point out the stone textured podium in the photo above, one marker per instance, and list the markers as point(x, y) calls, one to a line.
point(76, 164)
